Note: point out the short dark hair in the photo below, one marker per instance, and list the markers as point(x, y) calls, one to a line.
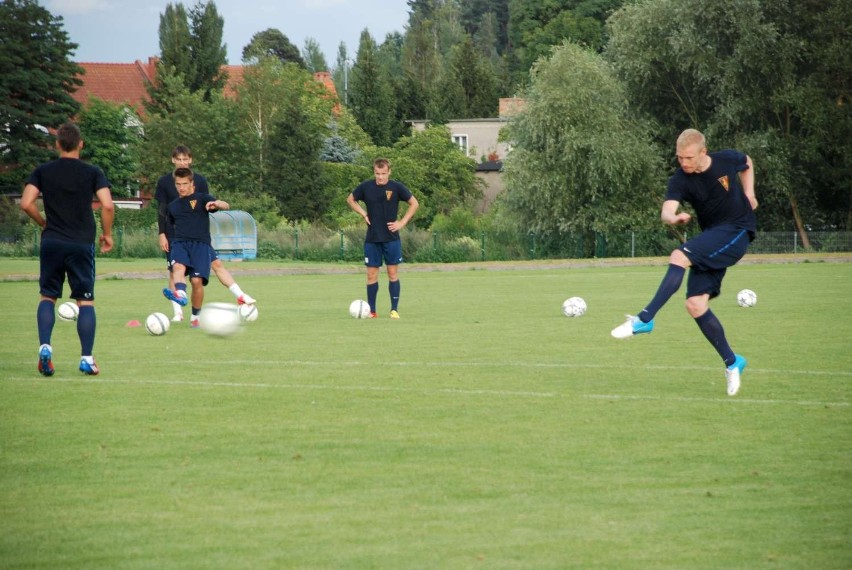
point(381, 163)
point(181, 149)
point(68, 136)
point(183, 173)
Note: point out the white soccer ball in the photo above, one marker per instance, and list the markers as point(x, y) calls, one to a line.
point(248, 313)
point(746, 298)
point(68, 311)
point(359, 309)
point(574, 307)
point(157, 324)
point(219, 319)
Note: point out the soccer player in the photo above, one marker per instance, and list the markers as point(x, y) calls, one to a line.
point(720, 188)
point(67, 186)
point(191, 252)
point(381, 196)
point(165, 194)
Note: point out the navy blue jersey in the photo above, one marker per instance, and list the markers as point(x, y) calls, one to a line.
point(190, 217)
point(166, 193)
point(67, 186)
point(382, 207)
point(716, 194)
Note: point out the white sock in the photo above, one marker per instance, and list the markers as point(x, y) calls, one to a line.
point(178, 310)
point(88, 359)
point(235, 289)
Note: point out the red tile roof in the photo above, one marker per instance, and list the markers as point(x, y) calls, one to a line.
point(128, 82)
point(117, 82)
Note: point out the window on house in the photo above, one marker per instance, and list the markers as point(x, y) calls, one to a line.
point(461, 142)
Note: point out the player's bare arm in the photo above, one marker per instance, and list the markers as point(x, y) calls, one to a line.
point(747, 180)
point(671, 216)
point(29, 204)
point(356, 207)
point(413, 204)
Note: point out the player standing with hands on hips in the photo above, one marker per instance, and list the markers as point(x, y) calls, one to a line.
point(382, 196)
point(720, 188)
point(67, 186)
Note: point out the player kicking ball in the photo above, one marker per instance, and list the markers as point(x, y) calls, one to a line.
point(191, 251)
point(720, 188)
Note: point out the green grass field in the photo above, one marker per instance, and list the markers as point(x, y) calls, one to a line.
point(482, 430)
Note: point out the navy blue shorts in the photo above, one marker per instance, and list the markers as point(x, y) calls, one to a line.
point(711, 253)
point(390, 251)
point(169, 257)
point(195, 255)
point(59, 258)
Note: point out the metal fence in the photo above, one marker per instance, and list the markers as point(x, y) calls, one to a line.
point(321, 244)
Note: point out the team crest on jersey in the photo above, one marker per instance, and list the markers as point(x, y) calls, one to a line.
point(192, 203)
point(724, 182)
point(388, 194)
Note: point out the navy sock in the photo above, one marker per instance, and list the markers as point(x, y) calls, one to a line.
point(715, 333)
point(86, 324)
point(45, 318)
point(668, 287)
point(372, 293)
point(393, 287)
point(181, 287)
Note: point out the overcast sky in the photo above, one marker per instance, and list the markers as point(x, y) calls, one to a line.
point(122, 31)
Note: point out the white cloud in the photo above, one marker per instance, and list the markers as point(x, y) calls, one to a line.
point(77, 6)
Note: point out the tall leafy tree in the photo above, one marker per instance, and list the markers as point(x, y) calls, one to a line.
point(313, 56)
point(175, 55)
point(191, 46)
point(112, 133)
point(370, 94)
point(295, 173)
point(209, 54)
point(580, 157)
point(268, 89)
point(468, 85)
point(420, 59)
point(37, 78)
point(487, 19)
point(271, 42)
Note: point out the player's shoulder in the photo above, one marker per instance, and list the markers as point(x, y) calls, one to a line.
point(729, 155)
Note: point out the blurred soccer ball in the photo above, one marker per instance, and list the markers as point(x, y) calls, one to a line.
point(68, 311)
point(157, 324)
point(359, 309)
point(219, 319)
point(248, 313)
point(746, 298)
point(574, 307)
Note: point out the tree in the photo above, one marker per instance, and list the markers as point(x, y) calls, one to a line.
point(313, 56)
point(209, 54)
point(468, 85)
point(112, 134)
point(174, 33)
point(37, 78)
point(191, 47)
point(370, 94)
point(295, 171)
point(271, 42)
point(581, 162)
